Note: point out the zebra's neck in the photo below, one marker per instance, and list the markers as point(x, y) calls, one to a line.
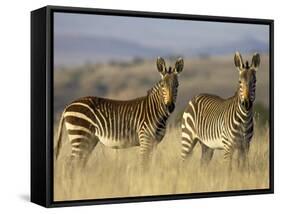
point(156, 89)
point(155, 100)
point(242, 115)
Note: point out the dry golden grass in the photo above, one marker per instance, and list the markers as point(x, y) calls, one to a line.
point(115, 173)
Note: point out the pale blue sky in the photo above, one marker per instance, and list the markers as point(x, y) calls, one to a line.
point(172, 36)
point(156, 32)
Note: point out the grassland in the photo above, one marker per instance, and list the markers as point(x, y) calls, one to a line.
point(115, 173)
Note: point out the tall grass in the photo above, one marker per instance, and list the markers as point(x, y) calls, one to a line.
point(115, 173)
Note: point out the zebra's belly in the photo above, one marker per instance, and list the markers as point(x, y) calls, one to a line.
point(213, 144)
point(118, 144)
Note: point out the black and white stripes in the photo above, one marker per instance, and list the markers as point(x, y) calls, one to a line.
point(222, 123)
point(121, 124)
point(214, 122)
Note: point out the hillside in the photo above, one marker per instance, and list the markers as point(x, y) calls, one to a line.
point(131, 79)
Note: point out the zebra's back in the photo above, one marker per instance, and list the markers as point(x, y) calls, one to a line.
point(114, 122)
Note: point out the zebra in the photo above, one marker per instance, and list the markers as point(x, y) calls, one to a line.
point(225, 124)
point(121, 124)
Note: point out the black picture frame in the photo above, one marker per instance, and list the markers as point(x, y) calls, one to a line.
point(42, 105)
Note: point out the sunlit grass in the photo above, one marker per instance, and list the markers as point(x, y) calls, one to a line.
point(115, 173)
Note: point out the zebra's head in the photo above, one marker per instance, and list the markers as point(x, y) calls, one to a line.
point(247, 79)
point(169, 81)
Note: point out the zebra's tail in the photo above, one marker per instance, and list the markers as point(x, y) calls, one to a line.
point(58, 146)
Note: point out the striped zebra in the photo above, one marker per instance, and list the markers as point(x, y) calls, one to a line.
point(121, 124)
point(225, 124)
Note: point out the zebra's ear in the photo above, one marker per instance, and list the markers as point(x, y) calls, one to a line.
point(179, 65)
point(238, 61)
point(256, 61)
point(161, 65)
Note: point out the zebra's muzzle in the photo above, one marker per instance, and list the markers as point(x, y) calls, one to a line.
point(246, 104)
point(171, 107)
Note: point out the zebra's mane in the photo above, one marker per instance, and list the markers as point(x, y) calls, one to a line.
point(154, 89)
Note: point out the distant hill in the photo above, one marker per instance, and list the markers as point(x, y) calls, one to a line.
point(247, 45)
point(123, 81)
point(78, 50)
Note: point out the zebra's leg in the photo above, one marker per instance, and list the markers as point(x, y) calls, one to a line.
point(243, 160)
point(206, 155)
point(91, 146)
point(146, 149)
point(228, 154)
point(188, 143)
point(80, 153)
point(77, 162)
point(188, 139)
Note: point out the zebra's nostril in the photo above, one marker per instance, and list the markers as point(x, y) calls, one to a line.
point(246, 103)
point(171, 107)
